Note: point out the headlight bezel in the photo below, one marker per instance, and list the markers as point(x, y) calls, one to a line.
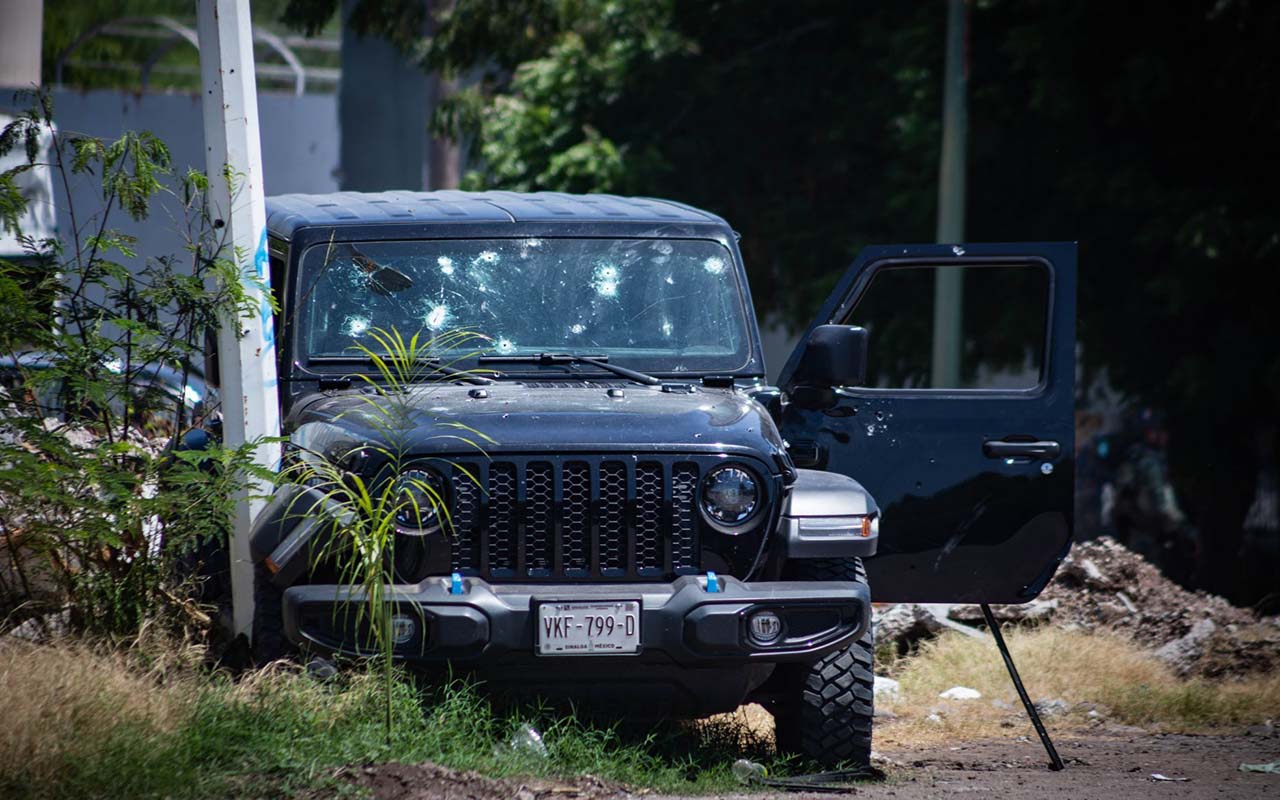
point(743, 522)
point(426, 519)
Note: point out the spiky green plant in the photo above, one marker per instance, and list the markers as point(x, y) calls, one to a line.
point(366, 510)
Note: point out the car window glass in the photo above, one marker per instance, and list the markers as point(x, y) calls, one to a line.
point(1003, 314)
point(660, 304)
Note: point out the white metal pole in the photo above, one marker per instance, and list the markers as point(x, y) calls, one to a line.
point(246, 345)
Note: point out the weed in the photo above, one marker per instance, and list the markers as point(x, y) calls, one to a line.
point(377, 509)
point(90, 722)
point(1109, 673)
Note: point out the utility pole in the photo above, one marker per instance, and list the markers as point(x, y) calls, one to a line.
point(948, 289)
point(246, 344)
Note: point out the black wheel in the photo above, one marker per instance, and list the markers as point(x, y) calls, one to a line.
point(269, 641)
point(825, 709)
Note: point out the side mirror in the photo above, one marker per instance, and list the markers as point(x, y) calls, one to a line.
point(834, 355)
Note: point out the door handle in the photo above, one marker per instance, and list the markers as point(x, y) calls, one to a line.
point(1001, 449)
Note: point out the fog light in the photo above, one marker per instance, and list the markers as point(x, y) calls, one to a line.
point(403, 628)
point(765, 627)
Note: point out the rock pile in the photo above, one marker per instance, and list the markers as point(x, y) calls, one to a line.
point(1102, 585)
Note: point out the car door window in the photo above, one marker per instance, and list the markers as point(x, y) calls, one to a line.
point(1003, 317)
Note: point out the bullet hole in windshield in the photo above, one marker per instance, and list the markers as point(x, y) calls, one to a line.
point(436, 318)
point(355, 327)
point(529, 245)
point(606, 280)
point(714, 265)
point(505, 346)
point(446, 264)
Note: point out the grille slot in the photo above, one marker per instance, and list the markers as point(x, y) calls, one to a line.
point(465, 517)
point(583, 517)
point(539, 519)
point(685, 557)
point(650, 557)
point(613, 519)
point(576, 518)
point(502, 498)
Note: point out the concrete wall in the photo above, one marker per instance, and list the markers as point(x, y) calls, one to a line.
point(299, 150)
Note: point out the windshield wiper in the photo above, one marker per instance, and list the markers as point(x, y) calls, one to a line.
point(601, 362)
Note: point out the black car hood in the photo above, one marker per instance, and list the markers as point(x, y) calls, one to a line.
point(543, 417)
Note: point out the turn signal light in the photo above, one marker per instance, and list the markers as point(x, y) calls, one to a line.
point(870, 525)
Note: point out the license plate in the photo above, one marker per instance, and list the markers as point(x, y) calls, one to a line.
point(589, 629)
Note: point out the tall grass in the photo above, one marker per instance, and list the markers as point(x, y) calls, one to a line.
point(1107, 673)
point(87, 723)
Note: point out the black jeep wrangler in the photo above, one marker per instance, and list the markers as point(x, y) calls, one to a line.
point(654, 528)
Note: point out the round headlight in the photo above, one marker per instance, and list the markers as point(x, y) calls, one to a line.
point(730, 495)
point(419, 494)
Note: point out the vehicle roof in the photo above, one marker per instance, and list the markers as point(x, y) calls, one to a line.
point(289, 212)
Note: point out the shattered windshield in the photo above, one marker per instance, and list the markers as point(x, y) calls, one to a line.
point(661, 305)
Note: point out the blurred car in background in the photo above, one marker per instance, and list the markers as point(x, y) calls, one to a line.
point(164, 400)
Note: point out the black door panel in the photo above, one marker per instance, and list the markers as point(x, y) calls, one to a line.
point(975, 484)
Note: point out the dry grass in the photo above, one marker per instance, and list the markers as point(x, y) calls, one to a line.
point(60, 701)
point(84, 722)
point(1123, 682)
point(147, 721)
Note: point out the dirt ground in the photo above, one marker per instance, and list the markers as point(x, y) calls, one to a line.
point(1113, 765)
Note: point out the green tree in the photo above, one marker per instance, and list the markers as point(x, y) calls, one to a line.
point(95, 510)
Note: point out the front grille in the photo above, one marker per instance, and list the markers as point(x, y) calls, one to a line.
point(576, 517)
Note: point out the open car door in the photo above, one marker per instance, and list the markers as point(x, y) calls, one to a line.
point(964, 438)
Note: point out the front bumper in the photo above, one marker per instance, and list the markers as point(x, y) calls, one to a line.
point(681, 623)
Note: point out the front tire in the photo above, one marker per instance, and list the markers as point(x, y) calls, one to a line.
point(826, 709)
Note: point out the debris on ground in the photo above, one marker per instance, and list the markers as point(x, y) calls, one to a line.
point(1267, 728)
point(904, 624)
point(1102, 585)
point(886, 688)
point(1052, 708)
point(747, 771)
point(528, 741)
point(960, 693)
point(1182, 653)
point(429, 781)
point(1272, 768)
point(322, 669)
point(1035, 611)
point(43, 629)
point(1156, 776)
